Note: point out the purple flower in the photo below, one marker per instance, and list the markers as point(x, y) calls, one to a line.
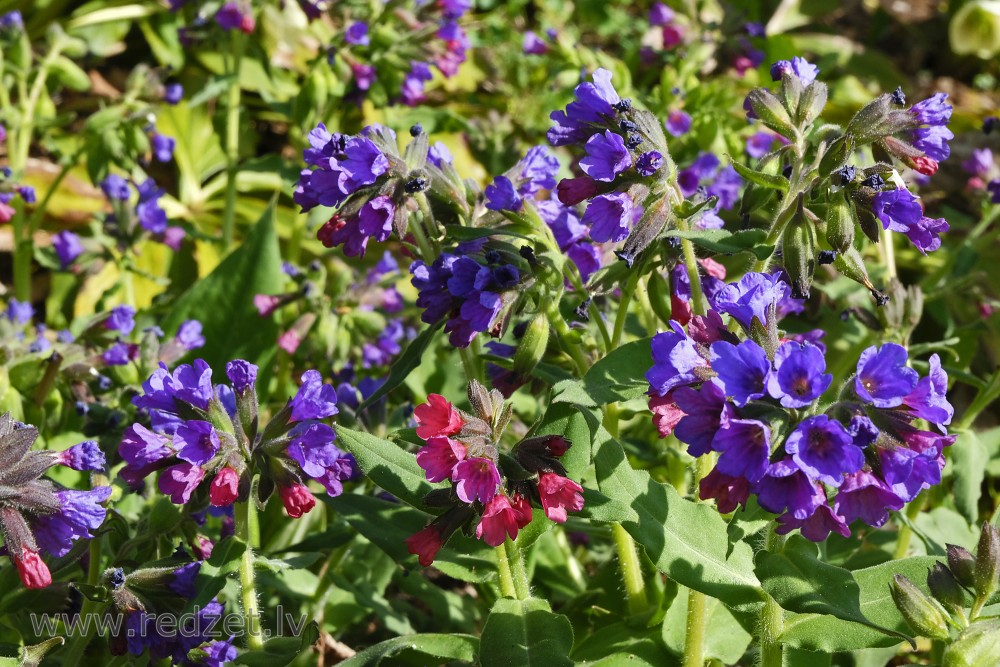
point(611, 216)
point(475, 479)
point(115, 187)
point(538, 170)
point(11, 21)
point(121, 319)
point(725, 186)
point(119, 354)
point(649, 163)
point(993, 187)
point(163, 147)
point(413, 83)
point(678, 123)
point(179, 482)
point(676, 361)
point(932, 111)
point(929, 400)
point(140, 447)
point(660, 14)
point(19, 312)
point(189, 335)
point(745, 445)
point(196, 442)
point(183, 583)
point(689, 178)
point(756, 295)
point(587, 258)
point(314, 450)
point(979, 162)
point(785, 486)
point(67, 246)
point(533, 45)
point(454, 9)
point(85, 456)
point(357, 34)
point(242, 374)
point(27, 194)
point(933, 141)
point(924, 233)
point(908, 472)
point(314, 400)
point(759, 144)
point(743, 371)
point(502, 196)
point(431, 283)
point(173, 93)
point(151, 217)
point(563, 221)
point(439, 155)
point(798, 378)
point(79, 514)
point(824, 450)
point(233, 16)
point(363, 163)
point(883, 378)
point(705, 413)
point(864, 496)
point(606, 157)
point(800, 67)
point(475, 315)
point(595, 102)
point(818, 525)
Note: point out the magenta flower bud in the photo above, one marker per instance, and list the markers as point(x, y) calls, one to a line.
point(224, 489)
point(559, 495)
point(297, 499)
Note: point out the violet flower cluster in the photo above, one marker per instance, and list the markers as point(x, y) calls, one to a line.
point(131, 217)
point(202, 432)
point(36, 515)
point(756, 403)
point(490, 489)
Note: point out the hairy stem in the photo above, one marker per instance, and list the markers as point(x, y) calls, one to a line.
point(232, 138)
point(513, 576)
point(248, 530)
point(772, 618)
point(628, 561)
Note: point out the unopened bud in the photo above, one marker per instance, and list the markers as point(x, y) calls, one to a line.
point(837, 155)
point(946, 589)
point(791, 91)
point(532, 347)
point(850, 264)
point(812, 103)
point(921, 612)
point(798, 253)
point(986, 576)
point(840, 223)
point(768, 108)
point(962, 564)
point(868, 121)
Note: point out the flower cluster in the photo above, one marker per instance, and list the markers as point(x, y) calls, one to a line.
point(493, 489)
point(204, 432)
point(754, 402)
point(37, 516)
point(130, 218)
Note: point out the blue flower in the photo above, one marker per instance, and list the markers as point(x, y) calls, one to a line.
point(611, 216)
point(606, 157)
point(824, 450)
point(798, 378)
point(502, 196)
point(743, 370)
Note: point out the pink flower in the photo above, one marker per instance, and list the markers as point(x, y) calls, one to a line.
point(477, 479)
point(501, 518)
point(266, 304)
point(559, 494)
point(32, 569)
point(439, 457)
point(666, 414)
point(6, 212)
point(202, 547)
point(729, 492)
point(437, 417)
point(179, 481)
point(425, 544)
point(297, 499)
point(289, 341)
point(672, 36)
point(572, 191)
point(224, 488)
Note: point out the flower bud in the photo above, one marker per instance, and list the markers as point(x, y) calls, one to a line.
point(798, 252)
point(812, 103)
point(986, 575)
point(962, 564)
point(532, 347)
point(946, 589)
point(868, 121)
point(224, 489)
point(920, 611)
point(836, 155)
point(850, 264)
point(297, 499)
point(768, 108)
point(840, 222)
point(791, 91)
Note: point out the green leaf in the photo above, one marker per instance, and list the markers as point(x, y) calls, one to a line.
point(623, 644)
point(525, 633)
point(840, 597)
point(774, 182)
point(719, 240)
point(387, 525)
point(404, 365)
point(725, 639)
point(620, 376)
point(968, 466)
point(686, 540)
point(570, 422)
point(280, 651)
point(230, 323)
point(213, 573)
point(32, 656)
point(441, 646)
point(389, 466)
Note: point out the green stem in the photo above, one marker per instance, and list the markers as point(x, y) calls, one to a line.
point(983, 399)
point(905, 532)
point(78, 644)
point(232, 138)
point(565, 337)
point(772, 618)
point(694, 636)
point(248, 530)
point(628, 561)
point(698, 303)
point(510, 567)
point(622, 314)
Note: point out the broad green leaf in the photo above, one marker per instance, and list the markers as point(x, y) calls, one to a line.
point(389, 466)
point(280, 651)
point(525, 633)
point(441, 646)
point(686, 540)
point(212, 576)
point(623, 644)
point(968, 465)
point(720, 240)
point(387, 525)
point(620, 376)
point(223, 301)
point(404, 364)
point(821, 632)
point(570, 422)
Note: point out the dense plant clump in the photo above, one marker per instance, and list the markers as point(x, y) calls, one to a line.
point(454, 332)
